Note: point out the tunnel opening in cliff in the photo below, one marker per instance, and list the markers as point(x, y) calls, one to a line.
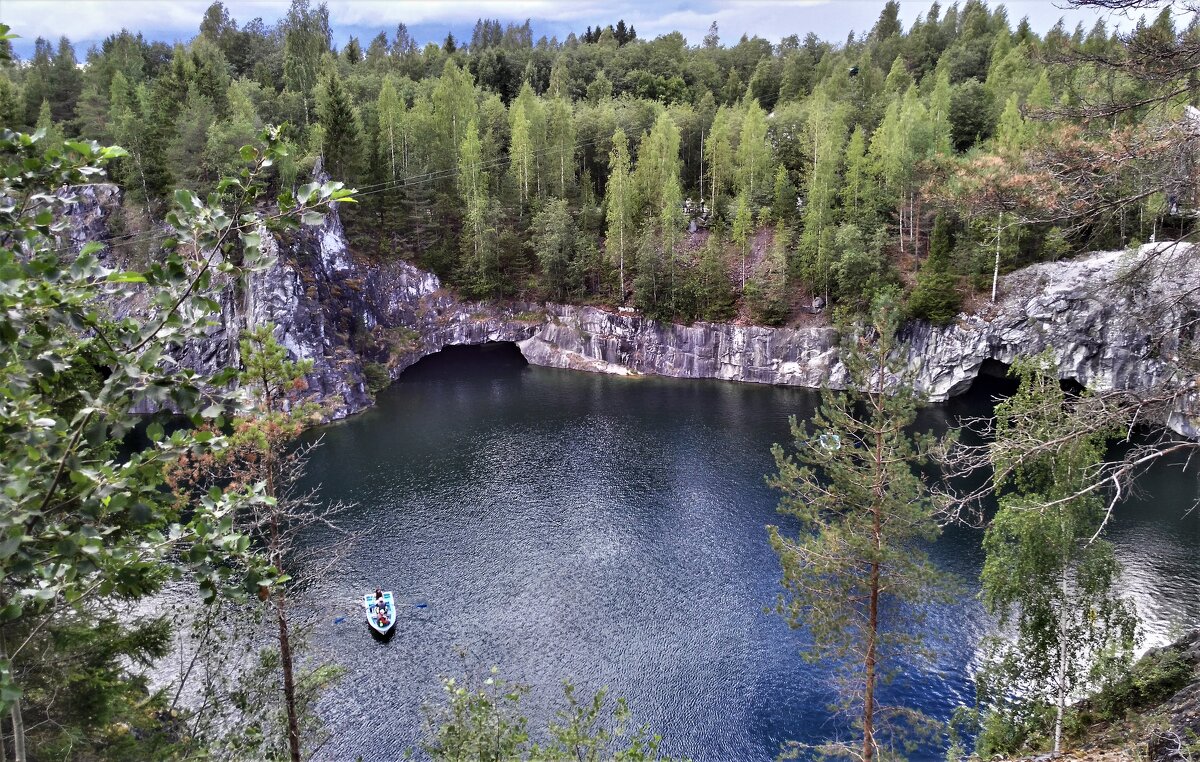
point(493, 358)
point(993, 380)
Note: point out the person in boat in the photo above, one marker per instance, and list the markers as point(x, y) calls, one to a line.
point(378, 594)
point(382, 617)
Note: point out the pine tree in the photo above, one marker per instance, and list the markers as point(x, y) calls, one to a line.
point(783, 205)
point(935, 297)
point(714, 295)
point(45, 122)
point(306, 38)
point(856, 575)
point(186, 150)
point(65, 83)
point(1010, 132)
point(553, 242)
point(341, 131)
point(263, 446)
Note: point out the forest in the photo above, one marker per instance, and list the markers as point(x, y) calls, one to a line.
point(700, 180)
point(888, 177)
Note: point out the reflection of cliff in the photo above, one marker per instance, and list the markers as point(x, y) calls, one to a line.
point(1109, 329)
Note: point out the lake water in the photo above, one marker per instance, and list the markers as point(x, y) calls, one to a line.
point(611, 531)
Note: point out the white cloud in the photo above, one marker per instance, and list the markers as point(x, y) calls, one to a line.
point(89, 20)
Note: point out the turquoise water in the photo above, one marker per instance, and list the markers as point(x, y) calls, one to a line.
point(611, 531)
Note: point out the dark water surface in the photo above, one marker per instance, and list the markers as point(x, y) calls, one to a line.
point(611, 530)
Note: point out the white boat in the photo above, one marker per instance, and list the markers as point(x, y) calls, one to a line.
point(372, 607)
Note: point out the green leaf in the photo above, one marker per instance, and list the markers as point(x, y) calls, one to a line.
point(186, 199)
point(312, 218)
point(127, 276)
point(155, 432)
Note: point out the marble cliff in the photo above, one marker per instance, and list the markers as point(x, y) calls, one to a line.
point(1114, 320)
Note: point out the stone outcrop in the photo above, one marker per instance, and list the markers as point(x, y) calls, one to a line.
point(1113, 320)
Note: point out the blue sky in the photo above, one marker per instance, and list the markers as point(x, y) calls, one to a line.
point(88, 21)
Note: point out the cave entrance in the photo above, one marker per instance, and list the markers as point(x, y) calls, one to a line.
point(493, 359)
point(994, 381)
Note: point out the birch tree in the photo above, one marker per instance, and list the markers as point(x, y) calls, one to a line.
point(1047, 573)
point(619, 215)
point(719, 151)
point(754, 159)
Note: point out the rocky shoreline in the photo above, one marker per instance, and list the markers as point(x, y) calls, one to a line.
point(1115, 321)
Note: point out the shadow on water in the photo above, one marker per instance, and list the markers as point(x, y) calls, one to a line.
point(611, 530)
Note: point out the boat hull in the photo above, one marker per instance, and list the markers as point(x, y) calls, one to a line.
point(373, 616)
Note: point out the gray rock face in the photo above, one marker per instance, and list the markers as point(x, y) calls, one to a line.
point(1114, 321)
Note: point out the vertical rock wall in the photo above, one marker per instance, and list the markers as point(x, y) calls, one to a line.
point(1114, 320)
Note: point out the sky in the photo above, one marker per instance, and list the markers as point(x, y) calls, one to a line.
point(86, 22)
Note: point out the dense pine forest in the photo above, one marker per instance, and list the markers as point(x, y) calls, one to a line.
point(691, 179)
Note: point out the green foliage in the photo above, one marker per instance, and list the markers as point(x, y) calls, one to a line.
point(766, 293)
point(1046, 574)
point(971, 114)
point(935, 297)
point(84, 522)
point(340, 130)
point(861, 271)
point(555, 244)
point(783, 203)
point(714, 294)
point(482, 720)
point(377, 376)
point(619, 214)
point(754, 157)
point(1155, 677)
point(868, 149)
point(856, 575)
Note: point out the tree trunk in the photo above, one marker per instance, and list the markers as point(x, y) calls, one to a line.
point(621, 243)
point(868, 753)
point(18, 728)
point(1061, 688)
point(18, 722)
point(289, 683)
point(744, 268)
point(285, 641)
point(996, 271)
